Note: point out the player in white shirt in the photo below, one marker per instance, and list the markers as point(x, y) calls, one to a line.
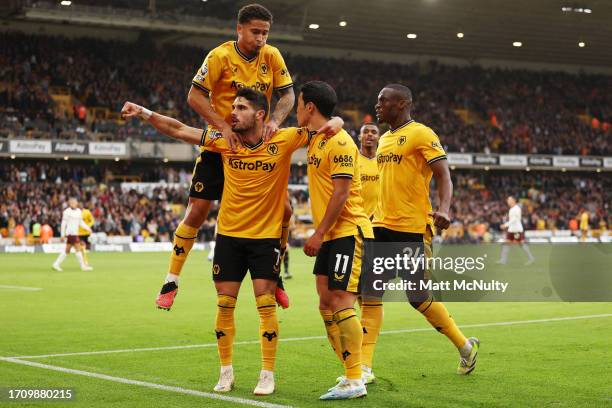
point(514, 232)
point(72, 219)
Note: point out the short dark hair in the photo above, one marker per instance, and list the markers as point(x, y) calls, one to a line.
point(256, 99)
point(254, 11)
point(404, 91)
point(368, 124)
point(322, 95)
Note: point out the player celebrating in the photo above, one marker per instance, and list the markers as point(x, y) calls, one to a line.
point(408, 155)
point(72, 220)
point(370, 180)
point(247, 62)
point(250, 218)
point(84, 234)
point(342, 227)
point(515, 234)
point(371, 309)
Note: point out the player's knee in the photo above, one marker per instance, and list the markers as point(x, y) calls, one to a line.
point(340, 299)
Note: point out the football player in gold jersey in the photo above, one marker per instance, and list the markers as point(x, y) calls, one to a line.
point(408, 155)
point(370, 180)
point(250, 218)
point(342, 229)
point(247, 62)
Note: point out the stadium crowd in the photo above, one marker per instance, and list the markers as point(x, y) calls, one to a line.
point(472, 109)
point(33, 192)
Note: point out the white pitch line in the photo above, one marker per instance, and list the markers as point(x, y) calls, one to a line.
point(180, 390)
point(424, 329)
point(20, 288)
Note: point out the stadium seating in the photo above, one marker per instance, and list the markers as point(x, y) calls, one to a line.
point(73, 88)
point(35, 191)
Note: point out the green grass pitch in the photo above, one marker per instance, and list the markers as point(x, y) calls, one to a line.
point(552, 362)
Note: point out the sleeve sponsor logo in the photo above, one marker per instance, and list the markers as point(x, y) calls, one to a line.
point(214, 134)
point(344, 160)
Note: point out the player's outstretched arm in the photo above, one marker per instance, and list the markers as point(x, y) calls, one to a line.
point(444, 185)
point(165, 124)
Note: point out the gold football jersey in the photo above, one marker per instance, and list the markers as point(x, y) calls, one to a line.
point(226, 69)
point(370, 183)
point(403, 158)
point(329, 159)
point(256, 179)
point(88, 219)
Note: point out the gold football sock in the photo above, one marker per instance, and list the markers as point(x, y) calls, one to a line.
point(333, 333)
point(184, 238)
point(351, 336)
point(225, 328)
point(437, 315)
point(371, 321)
point(268, 330)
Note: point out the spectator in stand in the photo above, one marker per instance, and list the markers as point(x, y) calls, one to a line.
point(474, 109)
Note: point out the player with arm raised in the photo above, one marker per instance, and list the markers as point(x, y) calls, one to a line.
point(248, 62)
point(250, 218)
point(72, 220)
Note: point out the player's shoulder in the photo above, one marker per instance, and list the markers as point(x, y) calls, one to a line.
point(221, 50)
point(270, 50)
point(342, 140)
point(420, 128)
point(286, 133)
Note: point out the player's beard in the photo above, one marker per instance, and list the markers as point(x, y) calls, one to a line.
point(244, 126)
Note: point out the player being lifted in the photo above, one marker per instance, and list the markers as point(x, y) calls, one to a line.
point(250, 218)
point(247, 62)
point(408, 155)
point(342, 228)
point(72, 220)
point(515, 234)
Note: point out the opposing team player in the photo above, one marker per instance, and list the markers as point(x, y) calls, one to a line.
point(408, 155)
point(250, 218)
point(72, 220)
point(514, 232)
point(342, 228)
point(247, 62)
